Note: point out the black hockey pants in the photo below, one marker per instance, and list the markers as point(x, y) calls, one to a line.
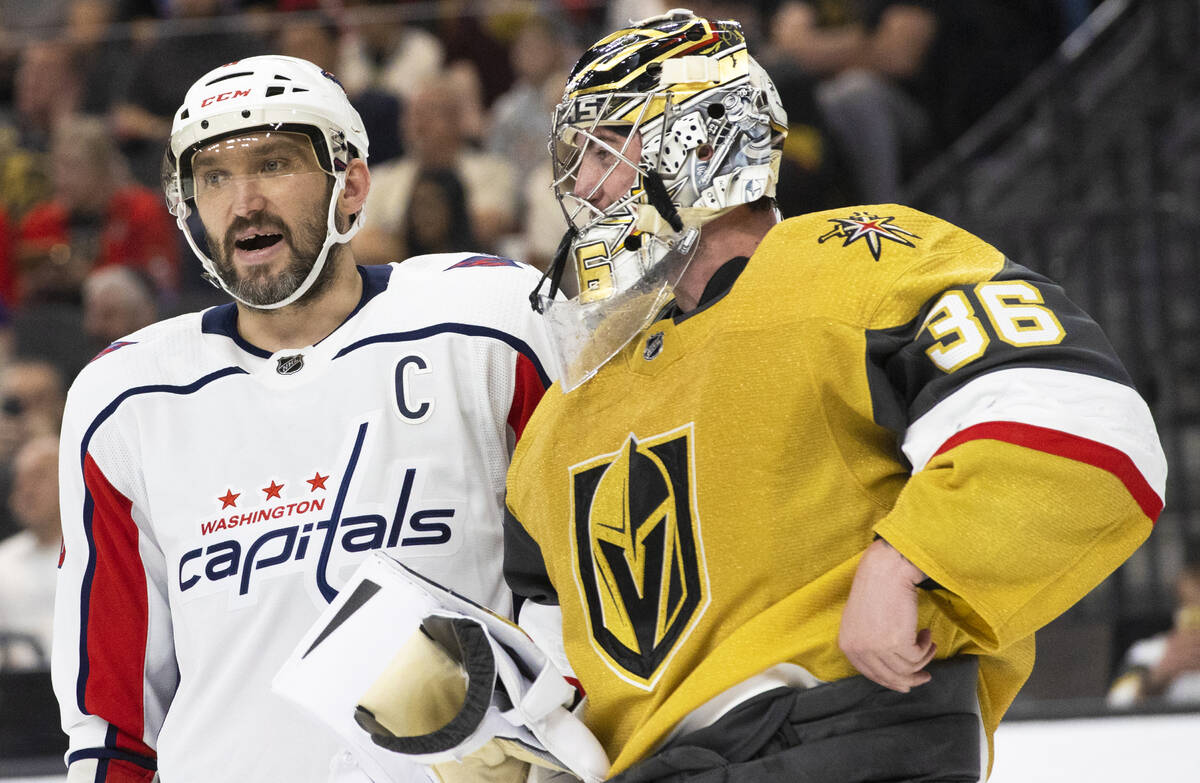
point(849, 731)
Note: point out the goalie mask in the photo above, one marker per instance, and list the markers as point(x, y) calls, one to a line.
point(244, 112)
point(663, 127)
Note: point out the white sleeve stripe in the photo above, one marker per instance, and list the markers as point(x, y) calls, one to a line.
point(83, 771)
point(1087, 407)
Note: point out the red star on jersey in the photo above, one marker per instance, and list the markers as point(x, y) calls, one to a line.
point(273, 490)
point(229, 498)
point(317, 481)
point(872, 228)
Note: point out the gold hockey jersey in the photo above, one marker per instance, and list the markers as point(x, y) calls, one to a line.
point(699, 507)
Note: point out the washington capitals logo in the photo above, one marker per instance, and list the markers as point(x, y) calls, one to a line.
point(862, 225)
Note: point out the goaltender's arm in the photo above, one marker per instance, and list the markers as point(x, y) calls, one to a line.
point(1036, 467)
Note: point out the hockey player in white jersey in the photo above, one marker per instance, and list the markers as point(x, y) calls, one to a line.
point(224, 472)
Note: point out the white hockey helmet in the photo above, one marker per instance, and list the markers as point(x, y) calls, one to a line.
point(268, 93)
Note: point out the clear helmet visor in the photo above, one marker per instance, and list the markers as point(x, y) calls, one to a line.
point(590, 329)
point(626, 274)
point(257, 208)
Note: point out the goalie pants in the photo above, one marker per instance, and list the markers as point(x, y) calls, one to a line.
point(848, 731)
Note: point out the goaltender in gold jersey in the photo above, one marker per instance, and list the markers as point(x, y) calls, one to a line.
point(807, 488)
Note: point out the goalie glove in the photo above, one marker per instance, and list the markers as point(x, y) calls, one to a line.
point(411, 674)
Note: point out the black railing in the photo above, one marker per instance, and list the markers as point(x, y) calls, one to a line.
point(1090, 173)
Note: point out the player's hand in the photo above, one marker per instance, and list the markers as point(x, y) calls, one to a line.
point(879, 624)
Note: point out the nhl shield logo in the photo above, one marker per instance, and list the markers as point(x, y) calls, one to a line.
point(654, 346)
point(640, 559)
point(290, 365)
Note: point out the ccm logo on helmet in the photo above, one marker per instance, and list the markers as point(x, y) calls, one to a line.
point(225, 96)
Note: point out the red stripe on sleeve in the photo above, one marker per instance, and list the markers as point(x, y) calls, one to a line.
point(124, 772)
point(1073, 447)
point(118, 615)
point(527, 393)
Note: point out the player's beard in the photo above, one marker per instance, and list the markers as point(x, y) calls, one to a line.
point(259, 286)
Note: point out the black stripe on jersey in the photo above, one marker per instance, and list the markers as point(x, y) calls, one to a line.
point(524, 565)
point(365, 591)
point(222, 319)
point(113, 754)
point(470, 330)
point(905, 383)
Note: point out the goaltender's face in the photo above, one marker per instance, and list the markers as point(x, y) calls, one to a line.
point(605, 175)
point(263, 200)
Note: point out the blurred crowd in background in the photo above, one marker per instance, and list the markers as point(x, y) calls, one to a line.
point(457, 97)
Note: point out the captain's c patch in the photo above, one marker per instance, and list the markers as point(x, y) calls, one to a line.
point(638, 554)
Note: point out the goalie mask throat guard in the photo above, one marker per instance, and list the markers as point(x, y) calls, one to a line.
point(263, 95)
point(663, 127)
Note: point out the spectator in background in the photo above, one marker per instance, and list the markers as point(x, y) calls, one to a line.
point(32, 395)
point(117, 301)
point(433, 140)
point(46, 88)
point(103, 59)
point(22, 21)
point(29, 559)
point(905, 78)
point(463, 79)
point(865, 54)
point(476, 44)
point(521, 117)
point(543, 225)
point(96, 218)
point(1166, 666)
point(164, 70)
point(437, 220)
point(542, 221)
point(812, 174)
point(316, 38)
point(382, 52)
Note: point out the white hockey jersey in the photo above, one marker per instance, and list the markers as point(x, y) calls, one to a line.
point(215, 497)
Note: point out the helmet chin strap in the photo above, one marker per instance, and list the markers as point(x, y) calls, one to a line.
point(332, 237)
point(554, 272)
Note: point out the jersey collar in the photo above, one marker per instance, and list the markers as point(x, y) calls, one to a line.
point(222, 319)
point(718, 285)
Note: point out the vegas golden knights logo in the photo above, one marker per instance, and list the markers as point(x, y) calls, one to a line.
point(640, 561)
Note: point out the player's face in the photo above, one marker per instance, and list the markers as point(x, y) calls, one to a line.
point(263, 199)
point(604, 175)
